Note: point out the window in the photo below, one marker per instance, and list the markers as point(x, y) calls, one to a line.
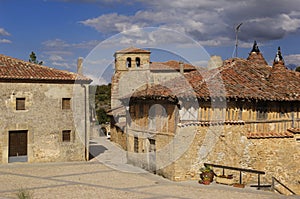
point(128, 62)
point(66, 135)
point(20, 103)
point(66, 103)
point(137, 62)
point(136, 144)
point(152, 146)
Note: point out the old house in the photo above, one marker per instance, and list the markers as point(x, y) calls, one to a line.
point(44, 113)
point(242, 114)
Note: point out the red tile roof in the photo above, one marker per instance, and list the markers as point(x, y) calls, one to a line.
point(15, 69)
point(269, 135)
point(170, 65)
point(210, 123)
point(237, 78)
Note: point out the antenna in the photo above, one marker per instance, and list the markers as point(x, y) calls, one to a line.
point(236, 38)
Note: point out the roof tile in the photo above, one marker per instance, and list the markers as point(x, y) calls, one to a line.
point(15, 69)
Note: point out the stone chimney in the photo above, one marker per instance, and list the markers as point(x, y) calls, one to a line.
point(214, 62)
point(181, 67)
point(79, 66)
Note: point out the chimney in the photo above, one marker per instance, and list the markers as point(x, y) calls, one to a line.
point(181, 67)
point(79, 66)
point(214, 62)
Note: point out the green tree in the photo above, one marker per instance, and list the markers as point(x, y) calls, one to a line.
point(100, 101)
point(33, 59)
point(298, 69)
point(102, 116)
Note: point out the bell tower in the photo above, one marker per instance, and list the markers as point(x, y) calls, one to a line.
point(131, 59)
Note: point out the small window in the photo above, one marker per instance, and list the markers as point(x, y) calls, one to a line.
point(20, 103)
point(152, 146)
point(128, 62)
point(136, 144)
point(137, 62)
point(66, 135)
point(66, 103)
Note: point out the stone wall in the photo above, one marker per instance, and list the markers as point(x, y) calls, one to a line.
point(278, 157)
point(44, 119)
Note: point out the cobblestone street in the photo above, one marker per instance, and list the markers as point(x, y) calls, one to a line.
point(107, 176)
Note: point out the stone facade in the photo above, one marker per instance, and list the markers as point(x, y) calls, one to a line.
point(182, 151)
point(55, 118)
point(242, 115)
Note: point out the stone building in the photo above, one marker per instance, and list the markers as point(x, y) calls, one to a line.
point(44, 113)
point(242, 114)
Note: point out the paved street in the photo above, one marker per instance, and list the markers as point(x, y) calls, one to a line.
point(107, 176)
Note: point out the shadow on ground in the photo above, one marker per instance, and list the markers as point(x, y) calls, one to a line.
point(96, 150)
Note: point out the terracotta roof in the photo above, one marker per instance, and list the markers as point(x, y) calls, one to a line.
point(15, 69)
point(170, 65)
point(237, 78)
point(269, 135)
point(133, 50)
point(154, 91)
point(210, 123)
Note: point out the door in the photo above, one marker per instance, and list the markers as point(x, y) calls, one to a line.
point(17, 147)
point(152, 155)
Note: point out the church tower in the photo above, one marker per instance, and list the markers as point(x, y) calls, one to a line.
point(131, 59)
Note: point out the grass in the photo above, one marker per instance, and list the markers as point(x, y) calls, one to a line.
point(24, 194)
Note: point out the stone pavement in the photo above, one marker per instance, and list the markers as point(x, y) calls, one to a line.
point(107, 176)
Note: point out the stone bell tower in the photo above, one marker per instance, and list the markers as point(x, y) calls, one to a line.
point(131, 72)
point(131, 58)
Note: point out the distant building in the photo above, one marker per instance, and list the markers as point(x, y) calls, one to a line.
point(44, 113)
point(243, 114)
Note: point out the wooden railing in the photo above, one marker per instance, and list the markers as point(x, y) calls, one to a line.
point(273, 187)
point(240, 170)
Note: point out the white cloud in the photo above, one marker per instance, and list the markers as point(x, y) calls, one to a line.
point(292, 59)
point(5, 41)
point(56, 43)
point(56, 58)
point(207, 20)
point(62, 64)
point(61, 44)
point(3, 32)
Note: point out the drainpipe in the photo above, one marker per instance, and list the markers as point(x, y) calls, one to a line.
point(85, 123)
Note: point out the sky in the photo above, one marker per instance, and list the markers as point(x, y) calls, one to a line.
point(60, 31)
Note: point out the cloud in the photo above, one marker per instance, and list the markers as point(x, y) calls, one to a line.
point(3, 32)
point(292, 59)
point(56, 43)
point(207, 20)
point(58, 52)
point(61, 44)
point(5, 41)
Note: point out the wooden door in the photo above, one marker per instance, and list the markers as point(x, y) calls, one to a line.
point(17, 143)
